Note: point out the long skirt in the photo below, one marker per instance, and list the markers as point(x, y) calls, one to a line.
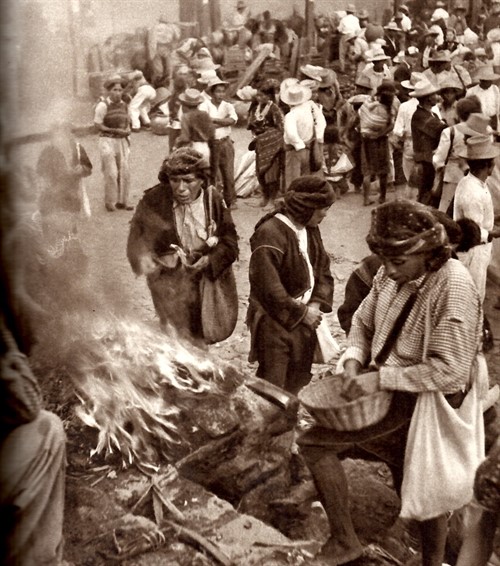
point(375, 156)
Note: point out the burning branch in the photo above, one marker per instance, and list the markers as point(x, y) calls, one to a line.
point(132, 381)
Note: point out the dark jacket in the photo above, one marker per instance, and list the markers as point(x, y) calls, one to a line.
point(426, 130)
point(153, 230)
point(278, 273)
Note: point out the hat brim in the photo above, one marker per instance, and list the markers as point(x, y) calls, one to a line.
point(423, 95)
point(463, 128)
point(491, 154)
point(110, 82)
point(306, 96)
point(218, 83)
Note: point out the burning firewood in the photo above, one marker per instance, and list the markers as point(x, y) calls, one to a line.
point(133, 382)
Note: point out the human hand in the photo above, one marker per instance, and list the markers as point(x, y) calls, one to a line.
point(201, 264)
point(359, 386)
point(312, 317)
point(147, 265)
point(352, 368)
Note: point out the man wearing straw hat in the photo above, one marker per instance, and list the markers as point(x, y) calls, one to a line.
point(302, 124)
point(417, 282)
point(488, 93)
point(473, 198)
point(223, 116)
point(426, 128)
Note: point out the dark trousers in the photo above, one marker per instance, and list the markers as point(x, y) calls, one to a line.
point(285, 357)
point(222, 163)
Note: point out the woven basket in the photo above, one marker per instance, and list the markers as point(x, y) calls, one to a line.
point(329, 409)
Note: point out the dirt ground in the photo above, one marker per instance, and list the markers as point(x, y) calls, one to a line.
point(375, 506)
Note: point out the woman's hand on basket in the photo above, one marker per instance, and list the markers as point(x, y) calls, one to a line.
point(359, 386)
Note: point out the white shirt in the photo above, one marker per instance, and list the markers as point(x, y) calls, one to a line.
point(490, 99)
point(473, 200)
point(302, 240)
point(349, 24)
point(456, 166)
point(299, 125)
point(402, 125)
point(224, 110)
point(190, 220)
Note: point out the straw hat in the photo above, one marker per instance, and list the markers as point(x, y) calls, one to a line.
point(205, 77)
point(312, 71)
point(486, 73)
point(476, 124)
point(350, 8)
point(424, 88)
point(478, 147)
point(448, 82)
point(215, 82)
point(191, 97)
point(287, 83)
point(414, 79)
point(393, 26)
point(108, 83)
point(363, 15)
point(310, 83)
point(296, 94)
point(379, 56)
point(440, 56)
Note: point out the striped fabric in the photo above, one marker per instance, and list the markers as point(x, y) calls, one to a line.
point(451, 300)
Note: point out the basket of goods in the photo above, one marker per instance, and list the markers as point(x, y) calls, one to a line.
point(324, 401)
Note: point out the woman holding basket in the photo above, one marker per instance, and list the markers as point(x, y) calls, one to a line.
point(419, 329)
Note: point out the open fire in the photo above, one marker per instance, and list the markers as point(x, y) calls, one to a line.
point(132, 381)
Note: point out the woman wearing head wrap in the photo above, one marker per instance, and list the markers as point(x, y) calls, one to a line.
point(417, 287)
point(173, 242)
point(290, 284)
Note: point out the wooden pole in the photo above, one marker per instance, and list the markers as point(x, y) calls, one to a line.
point(204, 18)
point(310, 21)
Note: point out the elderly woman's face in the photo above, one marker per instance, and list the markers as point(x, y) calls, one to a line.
point(186, 188)
point(405, 268)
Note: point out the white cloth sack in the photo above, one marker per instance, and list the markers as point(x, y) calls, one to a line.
point(444, 448)
point(327, 347)
point(245, 181)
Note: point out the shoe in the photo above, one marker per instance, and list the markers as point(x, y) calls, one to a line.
point(367, 201)
point(135, 130)
point(146, 127)
point(119, 205)
point(129, 207)
point(110, 207)
point(381, 200)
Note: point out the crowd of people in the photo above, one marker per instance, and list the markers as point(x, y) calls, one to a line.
point(412, 104)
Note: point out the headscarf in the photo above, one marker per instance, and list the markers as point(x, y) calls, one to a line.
point(404, 227)
point(305, 195)
point(182, 161)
